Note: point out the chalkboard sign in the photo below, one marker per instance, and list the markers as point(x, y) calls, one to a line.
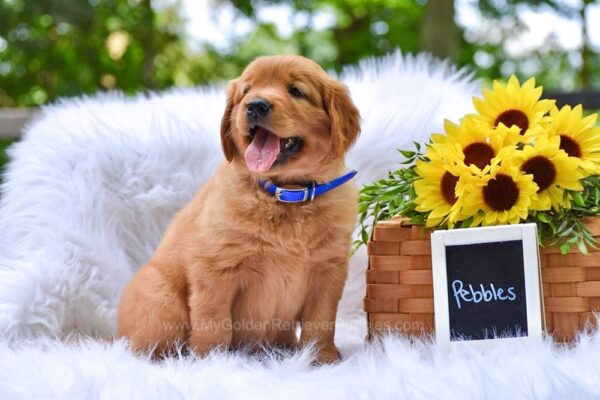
point(486, 285)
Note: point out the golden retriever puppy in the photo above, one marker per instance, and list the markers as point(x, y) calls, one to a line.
point(250, 257)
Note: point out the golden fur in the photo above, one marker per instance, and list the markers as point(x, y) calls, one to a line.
point(236, 266)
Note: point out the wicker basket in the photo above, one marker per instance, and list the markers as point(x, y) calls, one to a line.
point(400, 288)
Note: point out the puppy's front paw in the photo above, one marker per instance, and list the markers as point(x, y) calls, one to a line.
point(327, 355)
point(202, 345)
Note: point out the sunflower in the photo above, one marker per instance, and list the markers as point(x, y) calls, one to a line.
point(579, 137)
point(473, 142)
point(436, 189)
point(553, 171)
point(501, 196)
point(513, 104)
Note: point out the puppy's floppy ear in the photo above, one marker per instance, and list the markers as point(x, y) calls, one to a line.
point(226, 139)
point(344, 116)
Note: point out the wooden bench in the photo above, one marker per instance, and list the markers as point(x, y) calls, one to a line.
point(12, 121)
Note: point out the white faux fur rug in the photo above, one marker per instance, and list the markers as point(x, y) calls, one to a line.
point(394, 369)
point(89, 193)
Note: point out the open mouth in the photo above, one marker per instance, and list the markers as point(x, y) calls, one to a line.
point(267, 149)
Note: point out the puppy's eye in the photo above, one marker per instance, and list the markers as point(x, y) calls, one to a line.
point(246, 90)
point(294, 91)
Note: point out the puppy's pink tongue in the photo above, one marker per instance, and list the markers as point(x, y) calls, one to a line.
point(263, 151)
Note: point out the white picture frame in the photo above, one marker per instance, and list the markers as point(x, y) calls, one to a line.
point(527, 233)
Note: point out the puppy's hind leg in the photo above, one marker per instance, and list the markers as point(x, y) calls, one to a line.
point(153, 313)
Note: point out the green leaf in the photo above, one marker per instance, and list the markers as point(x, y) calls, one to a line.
point(578, 199)
point(582, 247)
point(364, 236)
point(564, 248)
point(355, 246)
point(543, 218)
point(466, 223)
point(407, 154)
point(391, 195)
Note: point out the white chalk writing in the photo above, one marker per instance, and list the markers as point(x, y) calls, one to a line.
point(472, 295)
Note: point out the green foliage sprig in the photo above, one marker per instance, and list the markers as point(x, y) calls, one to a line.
point(390, 197)
point(567, 227)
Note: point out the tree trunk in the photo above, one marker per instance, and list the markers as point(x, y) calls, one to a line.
point(585, 76)
point(147, 39)
point(439, 33)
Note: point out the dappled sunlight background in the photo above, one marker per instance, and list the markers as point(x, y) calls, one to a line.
point(51, 49)
point(54, 48)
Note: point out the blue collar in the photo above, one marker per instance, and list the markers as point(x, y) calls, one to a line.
point(306, 193)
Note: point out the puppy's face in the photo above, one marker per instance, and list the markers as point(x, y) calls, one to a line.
point(286, 118)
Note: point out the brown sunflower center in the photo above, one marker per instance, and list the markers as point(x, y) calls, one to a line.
point(501, 193)
point(570, 146)
point(478, 154)
point(447, 185)
point(542, 169)
point(513, 117)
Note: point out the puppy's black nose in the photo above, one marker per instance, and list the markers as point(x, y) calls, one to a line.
point(258, 108)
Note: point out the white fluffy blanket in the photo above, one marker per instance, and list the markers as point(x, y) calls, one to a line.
point(92, 187)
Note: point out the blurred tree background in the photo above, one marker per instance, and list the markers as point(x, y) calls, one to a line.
point(55, 48)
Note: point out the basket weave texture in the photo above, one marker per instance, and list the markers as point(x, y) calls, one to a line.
point(400, 286)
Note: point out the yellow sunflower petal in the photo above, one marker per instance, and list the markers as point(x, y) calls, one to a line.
point(513, 105)
point(578, 137)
